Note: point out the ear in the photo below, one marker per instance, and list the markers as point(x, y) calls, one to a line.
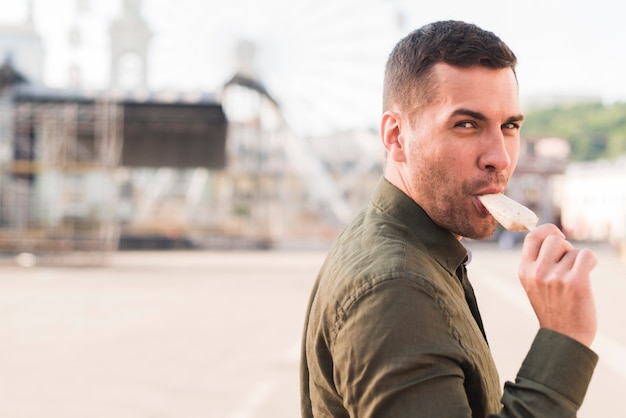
point(391, 135)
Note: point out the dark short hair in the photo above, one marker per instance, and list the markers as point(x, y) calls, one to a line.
point(452, 42)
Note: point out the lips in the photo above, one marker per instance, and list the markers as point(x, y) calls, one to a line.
point(490, 190)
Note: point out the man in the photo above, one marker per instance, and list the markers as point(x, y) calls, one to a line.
point(392, 327)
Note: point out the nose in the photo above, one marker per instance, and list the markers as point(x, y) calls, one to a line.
point(496, 155)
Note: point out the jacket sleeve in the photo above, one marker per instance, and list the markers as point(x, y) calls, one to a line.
point(396, 355)
point(553, 379)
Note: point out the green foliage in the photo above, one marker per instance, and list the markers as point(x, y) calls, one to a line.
point(594, 130)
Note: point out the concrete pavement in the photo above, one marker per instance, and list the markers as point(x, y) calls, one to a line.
point(216, 334)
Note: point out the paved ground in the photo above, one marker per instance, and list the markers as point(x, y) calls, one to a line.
point(216, 334)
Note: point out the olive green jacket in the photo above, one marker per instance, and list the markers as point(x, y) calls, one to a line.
point(389, 332)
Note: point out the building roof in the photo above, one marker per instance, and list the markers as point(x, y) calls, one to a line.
point(39, 93)
point(9, 76)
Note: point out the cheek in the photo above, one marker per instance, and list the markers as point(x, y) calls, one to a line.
point(439, 168)
point(457, 162)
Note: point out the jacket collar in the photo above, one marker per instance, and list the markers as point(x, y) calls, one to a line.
point(441, 243)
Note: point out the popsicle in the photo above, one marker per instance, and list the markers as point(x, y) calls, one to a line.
point(509, 213)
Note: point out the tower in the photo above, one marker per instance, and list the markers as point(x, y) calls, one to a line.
point(130, 37)
point(21, 46)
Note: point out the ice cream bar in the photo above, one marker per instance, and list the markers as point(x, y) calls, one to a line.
point(511, 214)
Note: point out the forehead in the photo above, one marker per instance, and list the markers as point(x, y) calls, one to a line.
point(490, 91)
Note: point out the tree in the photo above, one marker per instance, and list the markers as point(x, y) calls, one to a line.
point(594, 130)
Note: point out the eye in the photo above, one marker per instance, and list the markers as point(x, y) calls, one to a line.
point(511, 125)
point(466, 124)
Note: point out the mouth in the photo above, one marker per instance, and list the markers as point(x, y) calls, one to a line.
point(488, 187)
point(480, 207)
point(489, 190)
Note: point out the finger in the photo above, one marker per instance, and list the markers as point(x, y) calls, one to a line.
point(554, 259)
point(534, 241)
point(565, 265)
point(553, 249)
point(585, 261)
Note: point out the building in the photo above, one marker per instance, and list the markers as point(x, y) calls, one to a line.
point(21, 47)
point(594, 201)
point(586, 199)
point(70, 162)
point(130, 40)
point(127, 167)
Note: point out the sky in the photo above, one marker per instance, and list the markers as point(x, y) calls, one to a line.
point(323, 59)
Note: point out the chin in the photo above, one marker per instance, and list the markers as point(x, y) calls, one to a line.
point(481, 231)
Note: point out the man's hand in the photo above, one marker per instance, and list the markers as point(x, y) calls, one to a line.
point(556, 279)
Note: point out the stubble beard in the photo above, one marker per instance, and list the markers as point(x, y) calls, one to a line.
point(453, 209)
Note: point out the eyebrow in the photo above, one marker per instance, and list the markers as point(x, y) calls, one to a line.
point(481, 117)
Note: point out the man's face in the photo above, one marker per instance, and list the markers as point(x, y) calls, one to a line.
point(462, 145)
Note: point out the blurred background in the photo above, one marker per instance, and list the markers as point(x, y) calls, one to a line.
point(172, 172)
point(197, 124)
